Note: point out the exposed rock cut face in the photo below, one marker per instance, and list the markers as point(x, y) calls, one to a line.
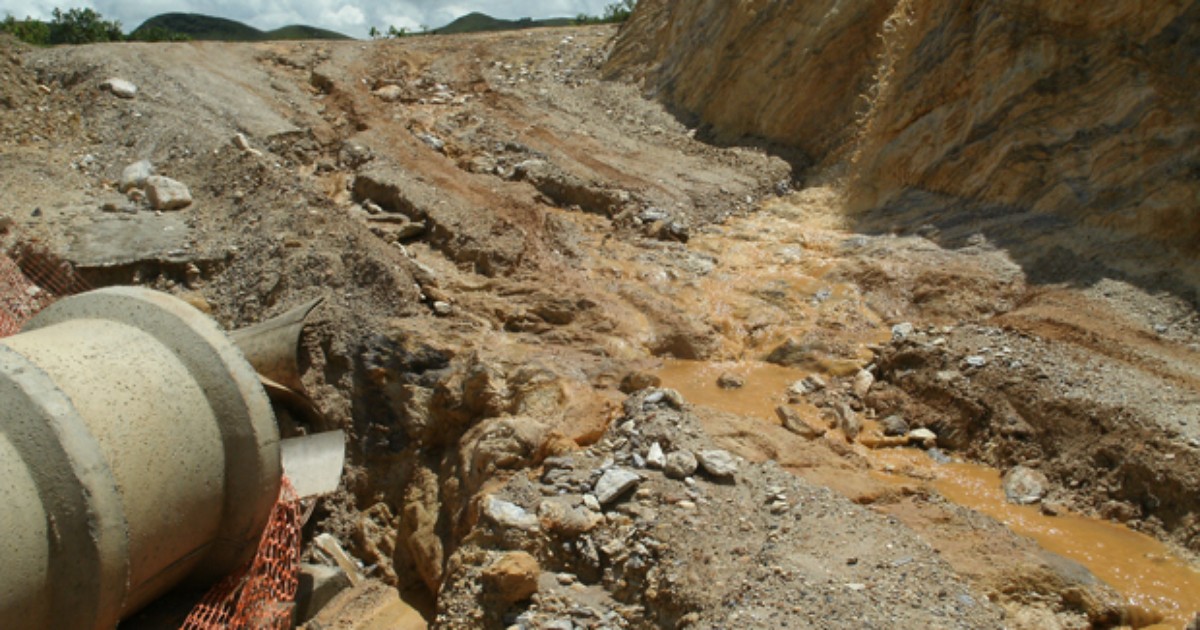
point(1078, 115)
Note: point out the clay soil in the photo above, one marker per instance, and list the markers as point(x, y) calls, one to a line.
point(510, 250)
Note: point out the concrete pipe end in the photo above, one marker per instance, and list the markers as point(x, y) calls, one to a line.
point(247, 423)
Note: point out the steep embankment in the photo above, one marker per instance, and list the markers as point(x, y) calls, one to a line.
point(1070, 115)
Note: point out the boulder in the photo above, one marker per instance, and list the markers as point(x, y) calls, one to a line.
point(167, 194)
point(1024, 485)
point(513, 577)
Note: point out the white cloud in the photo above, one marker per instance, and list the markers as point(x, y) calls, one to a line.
point(352, 17)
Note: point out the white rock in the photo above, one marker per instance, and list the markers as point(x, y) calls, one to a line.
point(901, 330)
point(655, 457)
point(389, 93)
point(167, 194)
point(119, 87)
point(134, 175)
point(862, 383)
point(613, 483)
point(923, 436)
point(717, 462)
point(506, 514)
point(591, 502)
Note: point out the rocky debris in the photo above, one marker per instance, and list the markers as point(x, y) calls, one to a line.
point(119, 87)
point(1024, 485)
point(680, 464)
point(165, 193)
point(135, 175)
point(513, 577)
point(901, 331)
point(565, 516)
point(687, 551)
point(808, 385)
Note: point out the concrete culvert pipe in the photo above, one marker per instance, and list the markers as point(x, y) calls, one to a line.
point(137, 448)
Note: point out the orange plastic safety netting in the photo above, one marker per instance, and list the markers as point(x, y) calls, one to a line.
point(30, 280)
point(261, 596)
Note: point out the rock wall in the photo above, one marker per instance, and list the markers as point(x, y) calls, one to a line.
point(790, 73)
point(1080, 111)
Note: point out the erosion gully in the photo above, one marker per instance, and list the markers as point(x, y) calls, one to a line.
point(1143, 570)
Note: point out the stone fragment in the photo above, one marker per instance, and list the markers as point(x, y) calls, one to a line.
point(975, 361)
point(167, 194)
point(613, 483)
point(333, 549)
point(513, 577)
point(793, 422)
point(894, 425)
point(591, 502)
point(559, 514)
point(1024, 485)
point(862, 383)
point(718, 463)
point(119, 87)
point(680, 464)
point(389, 93)
point(635, 381)
point(901, 331)
point(847, 420)
point(432, 141)
point(318, 585)
point(655, 458)
point(508, 515)
point(729, 380)
point(134, 175)
point(923, 437)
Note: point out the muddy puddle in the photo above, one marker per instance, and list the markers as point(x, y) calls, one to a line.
point(1142, 569)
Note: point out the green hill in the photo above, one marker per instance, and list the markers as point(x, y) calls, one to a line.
point(208, 28)
point(300, 31)
point(480, 22)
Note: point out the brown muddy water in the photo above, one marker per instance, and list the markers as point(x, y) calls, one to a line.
point(1145, 571)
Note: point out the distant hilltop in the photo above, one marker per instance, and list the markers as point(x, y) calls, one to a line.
point(208, 28)
point(480, 22)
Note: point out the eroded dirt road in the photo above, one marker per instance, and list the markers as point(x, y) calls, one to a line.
point(508, 247)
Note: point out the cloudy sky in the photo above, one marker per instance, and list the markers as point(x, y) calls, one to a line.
point(352, 17)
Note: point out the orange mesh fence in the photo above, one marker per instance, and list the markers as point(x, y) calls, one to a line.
point(30, 280)
point(261, 596)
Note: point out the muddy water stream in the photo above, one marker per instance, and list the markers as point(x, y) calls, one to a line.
point(1142, 569)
